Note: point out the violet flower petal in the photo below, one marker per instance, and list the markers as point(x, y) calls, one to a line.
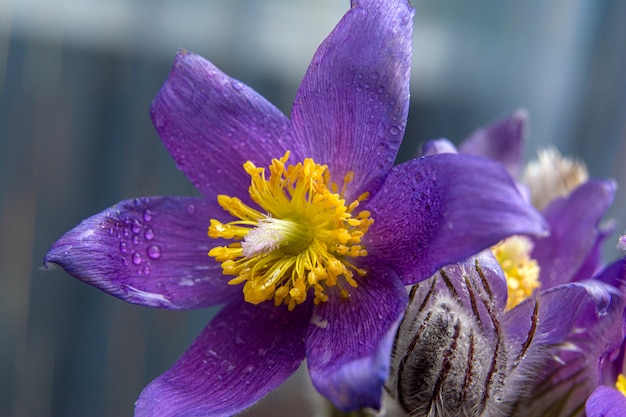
point(606, 402)
point(593, 262)
point(561, 309)
point(244, 353)
point(439, 209)
point(350, 111)
point(437, 146)
point(211, 124)
point(614, 274)
point(582, 321)
point(573, 231)
point(500, 141)
point(349, 341)
point(148, 251)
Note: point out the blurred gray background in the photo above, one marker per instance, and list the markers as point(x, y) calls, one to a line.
point(76, 81)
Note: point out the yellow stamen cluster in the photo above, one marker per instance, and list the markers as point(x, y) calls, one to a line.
point(303, 240)
point(520, 270)
point(620, 385)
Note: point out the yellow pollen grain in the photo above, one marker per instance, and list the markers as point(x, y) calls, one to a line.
point(302, 239)
point(620, 385)
point(520, 270)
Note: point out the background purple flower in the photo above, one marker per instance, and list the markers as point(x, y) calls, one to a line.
point(570, 253)
point(572, 250)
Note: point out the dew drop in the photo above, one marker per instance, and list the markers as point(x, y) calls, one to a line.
point(375, 75)
point(136, 240)
point(137, 259)
point(381, 89)
point(154, 252)
point(159, 121)
point(149, 234)
point(394, 130)
point(136, 227)
point(147, 215)
point(123, 247)
point(191, 209)
point(146, 271)
point(236, 86)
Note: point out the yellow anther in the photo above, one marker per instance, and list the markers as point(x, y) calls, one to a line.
point(302, 242)
point(620, 385)
point(520, 270)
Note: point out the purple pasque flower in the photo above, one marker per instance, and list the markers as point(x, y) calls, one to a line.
point(460, 352)
point(570, 253)
point(312, 231)
point(572, 249)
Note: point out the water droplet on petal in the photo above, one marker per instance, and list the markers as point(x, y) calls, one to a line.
point(136, 240)
point(236, 85)
point(137, 259)
point(136, 227)
point(149, 234)
point(123, 247)
point(394, 130)
point(381, 89)
point(154, 252)
point(147, 215)
point(159, 120)
point(146, 271)
point(191, 209)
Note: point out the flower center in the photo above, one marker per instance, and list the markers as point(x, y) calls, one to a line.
point(552, 176)
point(520, 270)
point(303, 241)
point(620, 385)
